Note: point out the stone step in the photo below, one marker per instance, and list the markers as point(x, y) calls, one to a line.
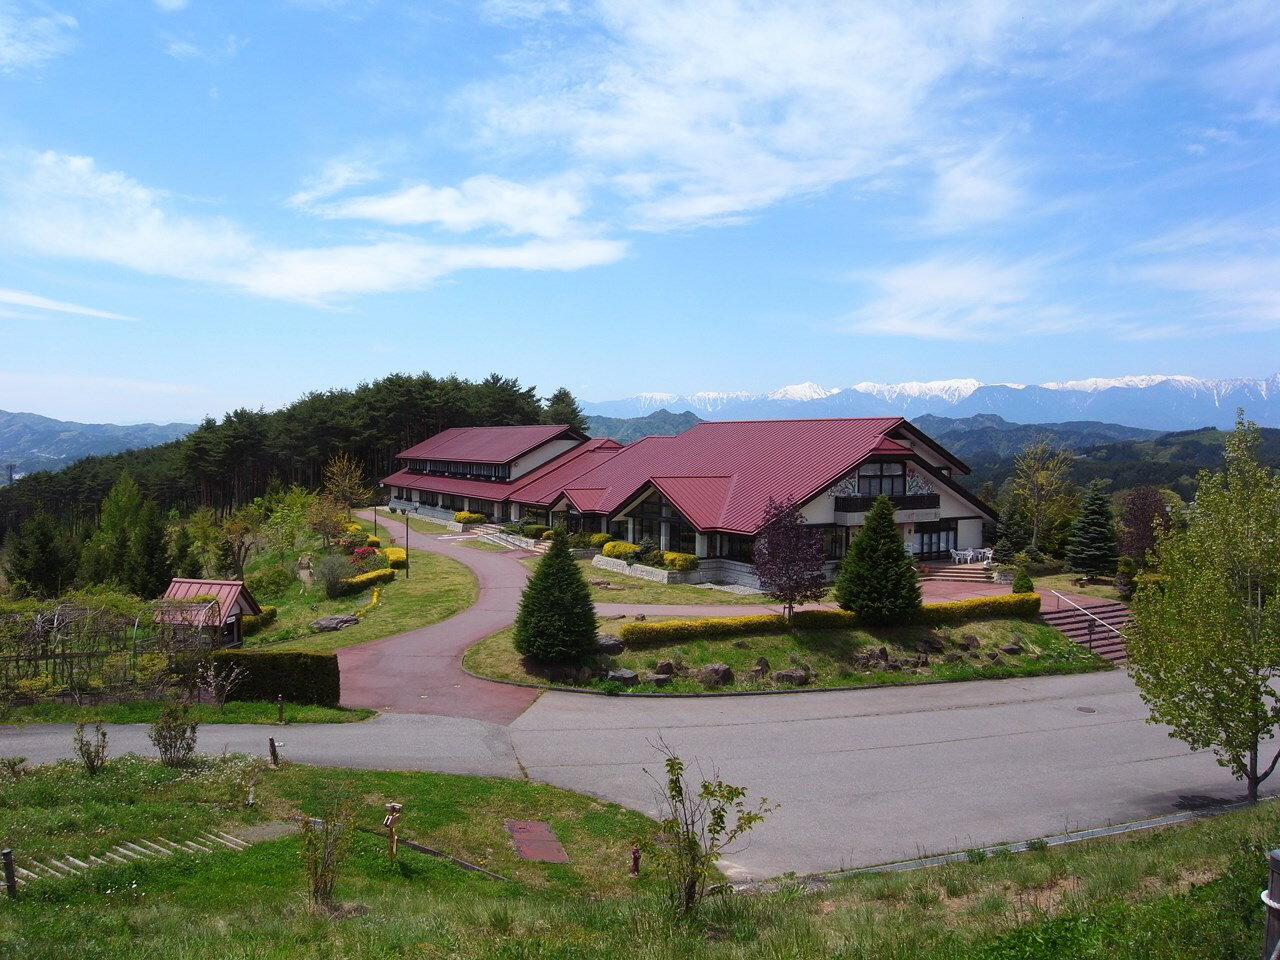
point(124, 853)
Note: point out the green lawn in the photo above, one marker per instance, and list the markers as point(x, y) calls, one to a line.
point(624, 589)
point(1189, 891)
point(483, 545)
point(436, 589)
point(394, 523)
point(1065, 583)
point(146, 711)
point(831, 655)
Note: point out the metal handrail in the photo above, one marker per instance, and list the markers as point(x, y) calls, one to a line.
point(1087, 613)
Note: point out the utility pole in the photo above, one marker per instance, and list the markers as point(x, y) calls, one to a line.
point(12, 467)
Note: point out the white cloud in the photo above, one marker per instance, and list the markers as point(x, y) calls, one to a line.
point(171, 6)
point(336, 176)
point(27, 39)
point(978, 189)
point(65, 206)
point(946, 298)
point(544, 210)
point(20, 298)
point(1229, 292)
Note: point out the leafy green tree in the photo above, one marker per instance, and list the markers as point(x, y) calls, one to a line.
point(108, 553)
point(1204, 646)
point(556, 622)
point(288, 518)
point(1092, 547)
point(789, 557)
point(344, 481)
point(150, 565)
point(561, 407)
point(1042, 483)
point(1012, 535)
point(877, 577)
point(184, 557)
point(39, 558)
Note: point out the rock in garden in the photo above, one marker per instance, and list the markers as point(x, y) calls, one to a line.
point(639, 618)
point(666, 667)
point(609, 645)
point(1012, 649)
point(560, 674)
point(997, 661)
point(954, 658)
point(883, 654)
point(969, 642)
point(657, 679)
point(584, 674)
point(932, 643)
point(741, 644)
point(762, 664)
point(992, 655)
point(625, 677)
point(334, 622)
point(716, 674)
point(796, 678)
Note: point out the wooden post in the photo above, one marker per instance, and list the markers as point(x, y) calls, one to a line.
point(275, 756)
point(390, 821)
point(280, 708)
point(1271, 897)
point(10, 878)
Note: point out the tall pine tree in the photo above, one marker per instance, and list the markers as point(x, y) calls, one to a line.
point(556, 622)
point(107, 555)
point(877, 578)
point(1012, 534)
point(561, 407)
point(150, 565)
point(40, 560)
point(1092, 547)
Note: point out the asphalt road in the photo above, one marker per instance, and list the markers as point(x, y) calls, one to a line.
point(862, 776)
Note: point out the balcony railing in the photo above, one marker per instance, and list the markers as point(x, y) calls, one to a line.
point(919, 501)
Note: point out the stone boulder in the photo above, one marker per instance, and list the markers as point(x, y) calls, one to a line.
point(608, 645)
point(665, 667)
point(1011, 649)
point(334, 622)
point(716, 675)
point(969, 642)
point(796, 678)
point(624, 677)
point(657, 679)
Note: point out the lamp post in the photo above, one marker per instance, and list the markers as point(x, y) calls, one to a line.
point(375, 519)
point(406, 544)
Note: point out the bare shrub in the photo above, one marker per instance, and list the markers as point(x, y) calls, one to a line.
point(326, 843)
point(92, 753)
point(218, 680)
point(174, 736)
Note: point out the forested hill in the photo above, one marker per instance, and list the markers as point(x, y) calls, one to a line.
point(987, 434)
point(656, 424)
point(1169, 460)
point(227, 463)
point(32, 442)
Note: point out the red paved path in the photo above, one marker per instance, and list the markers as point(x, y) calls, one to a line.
point(421, 671)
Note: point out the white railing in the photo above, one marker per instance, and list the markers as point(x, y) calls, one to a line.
point(1087, 613)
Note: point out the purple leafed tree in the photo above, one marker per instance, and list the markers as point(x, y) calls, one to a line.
point(1143, 519)
point(789, 557)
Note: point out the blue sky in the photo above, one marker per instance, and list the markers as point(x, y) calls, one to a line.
point(211, 204)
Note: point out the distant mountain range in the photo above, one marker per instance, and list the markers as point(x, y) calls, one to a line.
point(32, 442)
point(1150, 402)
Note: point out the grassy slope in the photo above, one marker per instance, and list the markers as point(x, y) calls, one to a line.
point(829, 653)
point(1065, 583)
point(1188, 892)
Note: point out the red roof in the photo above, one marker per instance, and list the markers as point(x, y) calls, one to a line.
point(721, 476)
point(487, 444)
point(540, 485)
point(226, 592)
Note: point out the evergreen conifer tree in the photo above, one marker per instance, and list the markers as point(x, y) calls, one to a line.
point(561, 407)
point(556, 622)
point(1012, 535)
point(1092, 547)
point(183, 555)
point(107, 555)
point(39, 558)
point(877, 577)
point(150, 567)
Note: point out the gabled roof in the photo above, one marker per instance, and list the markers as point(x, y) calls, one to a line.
point(721, 476)
point(487, 444)
point(540, 485)
point(227, 592)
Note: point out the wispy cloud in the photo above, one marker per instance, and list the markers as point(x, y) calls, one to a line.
point(21, 298)
point(977, 189)
point(1229, 292)
point(65, 206)
point(31, 35)
point(948, 298)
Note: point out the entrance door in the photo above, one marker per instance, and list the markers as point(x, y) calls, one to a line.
point(937, 539)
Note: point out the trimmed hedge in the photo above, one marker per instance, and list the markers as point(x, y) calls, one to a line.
point(397, 559)
point(620, 550)
point(372, 541)
point(352, 528)
point(250, 624)
point(1018, 605)
point(306, 678)
point(679, 561)
point(675, 631)
point(363, 581)
point(598, 540)
point(548, 535)
point(466, 516)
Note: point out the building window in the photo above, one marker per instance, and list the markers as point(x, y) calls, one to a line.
point(460, 468)
point(480, 506)
point(877, 478)
point(835, 540)
point(682, 537)
point(618, 530)
point(730, 546)
point(534, 515)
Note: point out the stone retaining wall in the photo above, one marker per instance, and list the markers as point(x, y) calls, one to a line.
point(640, 571)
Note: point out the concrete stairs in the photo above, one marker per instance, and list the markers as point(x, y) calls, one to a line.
point(957, 572)
point(66, 866)
point(1082, 628)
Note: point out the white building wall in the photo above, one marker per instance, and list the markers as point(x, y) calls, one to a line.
point(540, 455)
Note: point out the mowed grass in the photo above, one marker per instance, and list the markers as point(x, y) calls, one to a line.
point(834, 658)
point(1065, 583)
point(1189, 891)
point(624, 589)
point(147, 711)
point(436, 589)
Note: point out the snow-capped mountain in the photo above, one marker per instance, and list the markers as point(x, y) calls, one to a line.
point(1157, 402)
